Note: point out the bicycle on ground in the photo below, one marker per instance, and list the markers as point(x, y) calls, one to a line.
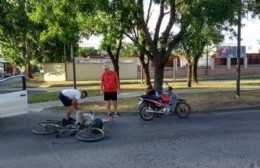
point(87, 133)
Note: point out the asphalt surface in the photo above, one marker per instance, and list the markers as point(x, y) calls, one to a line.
point(219, 140)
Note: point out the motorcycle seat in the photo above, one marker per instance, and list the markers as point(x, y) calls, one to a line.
point(151, 97)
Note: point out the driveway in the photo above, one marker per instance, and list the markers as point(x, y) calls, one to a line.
point(202, 141)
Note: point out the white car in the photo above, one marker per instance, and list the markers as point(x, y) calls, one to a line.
point(13, 96)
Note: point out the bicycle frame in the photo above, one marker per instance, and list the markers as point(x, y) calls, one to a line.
point(87, 133)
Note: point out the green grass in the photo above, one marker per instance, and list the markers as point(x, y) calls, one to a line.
point(93, 87)
point(43, 97)
point(53, 96)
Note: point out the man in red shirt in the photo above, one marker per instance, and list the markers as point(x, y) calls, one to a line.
point(110, 87)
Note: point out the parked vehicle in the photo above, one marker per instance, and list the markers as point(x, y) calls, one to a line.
point(13, 96)
point(166, 104)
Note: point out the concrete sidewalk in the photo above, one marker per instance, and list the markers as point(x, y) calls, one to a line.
point(37, 107)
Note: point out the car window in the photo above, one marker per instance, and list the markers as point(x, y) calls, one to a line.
point(12, 84)
point(13, 96)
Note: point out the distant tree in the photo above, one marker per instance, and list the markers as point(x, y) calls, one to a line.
point(206, 27)
point(174, 19)
point(53, 51)
point(19, 36)
point(109, 22)
point(86, 51)
point(129, 50)
point(253, 6)
point(65, 22)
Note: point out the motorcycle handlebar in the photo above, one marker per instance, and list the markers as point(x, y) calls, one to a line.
point(170, 88)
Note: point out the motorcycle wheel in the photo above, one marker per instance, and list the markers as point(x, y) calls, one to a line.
point(183, 110)
point(145, 115)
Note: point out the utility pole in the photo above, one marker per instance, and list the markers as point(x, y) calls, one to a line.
point(238, 49)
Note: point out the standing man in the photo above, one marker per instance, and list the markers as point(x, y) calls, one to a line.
point(70, 98)
point(110, 87)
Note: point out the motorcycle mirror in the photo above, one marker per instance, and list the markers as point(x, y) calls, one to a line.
point(167, 84)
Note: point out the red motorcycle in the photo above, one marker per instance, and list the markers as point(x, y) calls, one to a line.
point(150, 106)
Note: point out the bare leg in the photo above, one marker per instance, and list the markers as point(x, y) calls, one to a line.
point(69, 112)
point(108, 105)
point(115, 106)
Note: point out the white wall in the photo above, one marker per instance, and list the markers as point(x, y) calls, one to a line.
point(86, 71)
point(54, 72)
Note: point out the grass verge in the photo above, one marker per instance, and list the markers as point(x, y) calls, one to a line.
point(133, 86)
point(199, 102)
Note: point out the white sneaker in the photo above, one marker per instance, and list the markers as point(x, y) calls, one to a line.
point(116, 115)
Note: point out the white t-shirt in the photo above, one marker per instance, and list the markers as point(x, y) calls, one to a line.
point(71, 93)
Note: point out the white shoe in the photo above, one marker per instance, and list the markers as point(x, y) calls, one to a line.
point(116, 115)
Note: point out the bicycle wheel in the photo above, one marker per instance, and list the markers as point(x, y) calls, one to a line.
point(183, 110)
point(90, 135)
point(45, 128)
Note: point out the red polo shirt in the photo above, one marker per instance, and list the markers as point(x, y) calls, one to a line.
point(109, 80)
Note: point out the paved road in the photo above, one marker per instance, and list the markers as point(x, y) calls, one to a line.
point(222, 140)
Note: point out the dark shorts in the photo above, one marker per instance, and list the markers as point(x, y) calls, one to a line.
point(110, 96)
point(65, 100)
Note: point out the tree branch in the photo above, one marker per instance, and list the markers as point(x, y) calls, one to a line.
point(169, 26)
point(159, 23)
point(146, 33)
point(148, 13)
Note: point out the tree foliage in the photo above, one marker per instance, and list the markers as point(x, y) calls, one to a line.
point(43, 30)
point(110, 22)
point(19, 36)
point(206, 26)
point(87, 51)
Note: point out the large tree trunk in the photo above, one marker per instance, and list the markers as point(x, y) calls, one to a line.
point(195, 70)
point(28, 67)
point(116, 67)
point(158, 73)
point(145, 66)
point(114, 58)
point(189, 74)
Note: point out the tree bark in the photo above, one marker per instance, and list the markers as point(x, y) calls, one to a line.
point(195, 70)
point(145, 66)
point(115, 59)
point(189, 74)
point(28, 68)
point(158, 73)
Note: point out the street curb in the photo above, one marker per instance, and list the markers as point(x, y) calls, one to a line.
point(223, 110)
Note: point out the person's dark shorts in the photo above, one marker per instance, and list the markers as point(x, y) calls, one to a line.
point(110, 96)
point(65, 100)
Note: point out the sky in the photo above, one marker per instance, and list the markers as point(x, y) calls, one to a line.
point(250, 33)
